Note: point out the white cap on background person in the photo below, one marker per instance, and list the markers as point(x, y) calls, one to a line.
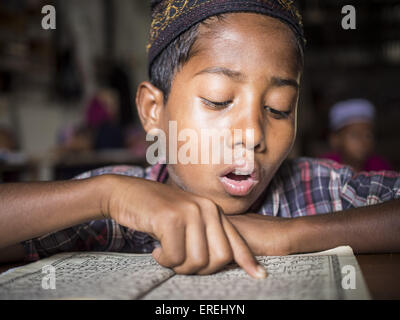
point(351, 111)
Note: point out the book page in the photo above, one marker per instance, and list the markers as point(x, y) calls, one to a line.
point(85, 275)
point(102, 275)
point(307, 276)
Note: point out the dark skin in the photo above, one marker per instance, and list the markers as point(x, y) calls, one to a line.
point(266, 76)
point(354, 142)
point(202, 228)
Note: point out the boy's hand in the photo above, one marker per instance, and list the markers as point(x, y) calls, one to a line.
point(265, 235)
point(195, 235)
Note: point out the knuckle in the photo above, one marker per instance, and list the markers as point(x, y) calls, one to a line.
point(170, 255)
point(196, 216)
point(165, 263)
point(198, 262)
point(202, 261)
point(208, 204)
point(176, 259)
point(224, 257)
point(209, 208)
point(192, 207)
point(172, 220)
point(172, 216)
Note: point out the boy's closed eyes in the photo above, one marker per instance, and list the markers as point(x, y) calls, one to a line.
point(245, 76)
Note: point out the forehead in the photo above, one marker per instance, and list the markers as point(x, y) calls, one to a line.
point(254, 43)
point(360, 126)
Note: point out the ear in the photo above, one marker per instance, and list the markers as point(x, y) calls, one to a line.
point(149, 103)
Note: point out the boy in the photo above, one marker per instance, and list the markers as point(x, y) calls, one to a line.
point(352, 136)
point(221, 64)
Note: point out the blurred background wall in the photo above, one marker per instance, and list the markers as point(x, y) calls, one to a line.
point(54, 82)
point(345, 64)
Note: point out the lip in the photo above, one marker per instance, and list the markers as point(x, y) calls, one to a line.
point(239, 188)
point(254, 174)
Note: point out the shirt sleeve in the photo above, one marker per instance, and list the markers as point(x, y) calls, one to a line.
point(308, 186)
point(368, 188)
point(97, 235)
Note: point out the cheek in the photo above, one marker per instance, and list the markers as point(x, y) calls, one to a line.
point(194, 178)
point(280, 137)
point(353, 142)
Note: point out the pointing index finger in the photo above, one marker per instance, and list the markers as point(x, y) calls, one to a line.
point(241, 252)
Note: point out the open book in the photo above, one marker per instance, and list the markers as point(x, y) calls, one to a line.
point(108, 275)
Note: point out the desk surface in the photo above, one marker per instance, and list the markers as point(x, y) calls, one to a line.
point(381, 273)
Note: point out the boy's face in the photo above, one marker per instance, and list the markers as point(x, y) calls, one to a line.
point(355, 141)
point(252, 66)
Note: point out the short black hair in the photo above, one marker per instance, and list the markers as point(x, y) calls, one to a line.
point(179, 51)
point(174, 56)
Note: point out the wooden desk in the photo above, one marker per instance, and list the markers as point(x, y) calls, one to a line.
point(381, 273)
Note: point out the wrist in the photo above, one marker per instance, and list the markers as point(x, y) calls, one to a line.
point(316, 233)
point(306, 235)
point(104, 186)
point(120, 198)
point(296, 229)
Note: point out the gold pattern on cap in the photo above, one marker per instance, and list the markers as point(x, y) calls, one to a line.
point(170, 10)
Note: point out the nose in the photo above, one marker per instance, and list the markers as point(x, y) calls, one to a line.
point(248, 127)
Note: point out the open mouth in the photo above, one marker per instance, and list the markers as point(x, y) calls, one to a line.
point(238, 183)
point(237, 177)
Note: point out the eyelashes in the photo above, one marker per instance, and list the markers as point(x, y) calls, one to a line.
point(216, 105)
point(276, 114)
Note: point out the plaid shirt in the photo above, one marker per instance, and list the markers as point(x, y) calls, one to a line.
point(301, 187)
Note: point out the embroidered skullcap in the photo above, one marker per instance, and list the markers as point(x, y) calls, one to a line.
point(170, 18)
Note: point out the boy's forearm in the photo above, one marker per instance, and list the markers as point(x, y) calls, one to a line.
point(28, 210)
point(367, 229)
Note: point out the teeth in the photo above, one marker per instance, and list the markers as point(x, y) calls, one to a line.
point(239, 172)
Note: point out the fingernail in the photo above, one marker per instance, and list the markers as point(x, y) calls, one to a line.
point(261, 273)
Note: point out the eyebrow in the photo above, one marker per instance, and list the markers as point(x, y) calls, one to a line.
point(282, 82)
point(240, 77)
point(235, 75)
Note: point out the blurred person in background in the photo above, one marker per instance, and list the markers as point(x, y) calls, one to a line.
point(72, 138)
point(102, 117)
point(100, 128)
point(352, 137)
